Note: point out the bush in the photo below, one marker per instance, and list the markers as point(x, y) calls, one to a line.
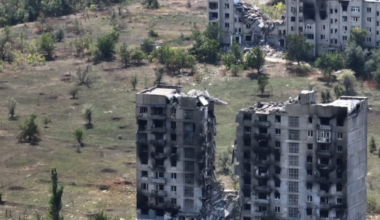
point(46, 44)
point(373, 206)
point(12, 103)
point(59, 34)
point(46, 121)
point(236, 69)
point(87, 113)
point(29, 130)
point(147, 45)
point(159, 73)
point(134, 82)
point(83, 77)
point(78, 134)
point(152, 33)
point(73, 92)
point(198, 77)
point(125, 55)
point(137, 56)
point(106, 44)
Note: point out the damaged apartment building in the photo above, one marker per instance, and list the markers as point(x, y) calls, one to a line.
point(175, 153)
point(303, 160)
point(325, 24)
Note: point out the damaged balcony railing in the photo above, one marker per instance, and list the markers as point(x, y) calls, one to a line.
point(324, 153)
point(158, 129)
point(159, 193)
point(265, 149)
point(159, 156)
point(261, 201)
point(322, 180)
point(327, 167)
point(262, 136)
point(264, 124)
point(159, 180)
point(260, 214)
point(157, 143)
point(266, 189)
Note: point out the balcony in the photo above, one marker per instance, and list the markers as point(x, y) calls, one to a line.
point(159, 156)
point(322, 180)
point(324, 206)
point(212, 17)
point(327, 167)
point(158, 143)
point(159, 168)
point(262, 163)
point(262, 136)
point(260, 214)
point(247, 122)
point(158, 129)
point(310, 178)
point(159, 180)
point(263, 124)
point(158, 116)
point(142, 142)
point(213, 6)
point(265, 150)
point(159, 193)
point(324, 153)
point(261, 201)
point(323, 127)
point(266, 189)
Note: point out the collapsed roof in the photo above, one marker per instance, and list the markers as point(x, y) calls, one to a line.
point(260, 22)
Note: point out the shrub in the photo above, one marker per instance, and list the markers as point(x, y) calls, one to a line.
point(137, 56)
point(59, 34)
point(262, 82)
point(147, 45)
point(159, 74)
point(373, 206)
point(152, 33)
point(87, 113)
point(83, 77)
point(125, 55)
point(106, 43)
point(12, 103)
point(46, 44)
point(134, 82)
point(78, 134)
point(73, 92)
point(236, 69)
point(29, 130)
point(198, 77)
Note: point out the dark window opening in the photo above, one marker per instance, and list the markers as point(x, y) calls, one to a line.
point(310, 146)
point(247, 142)
point(309, 11)
point(309, 186)
point(262, 196)
point(309, 172)
point(142, 125)
point(263, 182)
point(324, 187)
point(247, 206)
point(277, 144)
point(278, 170)
point(263, 143)
point(159, 150)
point(339, 187)
point(159, 162)
point(309, 211)
point(262, 171)
point(324, 121)
point(278, 117)
point(339, 174)
point(213, 5)
point(324, 213)
point(344, 5)
point(324, 175)
point(158, 123)
point(247, 167)
point(247, 117)
point(262, 157)
point(310, 120)
point(324, 147)
point(276, 195)
point(324, 161)
point(246, 192)
point(263, 131)
point(340, 122)
point(247, 180)
point(173, 163)
point(248, 38)
point(339, 161)
point(173, 125)
point(310, 159)
point(173, 137)
point(263, 118)
point(144, 173)
point(157, 111)
point(247, 155)
point(277, 157)
point(277, 183)
point(293, 18)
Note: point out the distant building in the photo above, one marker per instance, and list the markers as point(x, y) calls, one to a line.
point(175, 153)
point(325, 24)
point(303, 160)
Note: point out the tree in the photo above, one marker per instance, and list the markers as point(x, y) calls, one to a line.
point(348, 80)
point(357, 36)
point(159, 74)
point(372, 65)
point(147, 45)
point(73, 92)
point(78, 134)
point(125, 55)
point(372, 145)
point(325, 96)
point(236, 69)
point(298, 49)
point(5, 40)
point(228, 60)
point(206, 49)
point(29, 130)
point(106, 44)
point(262, 82)
point(234, 56)
point(137, 55)
point(134, 82)
point(329, 62)
point(55, 202)
point(212, 31)
point(87, 113)
point(83, 77)
point(223, 162)
point(338, 91)
point(59, 34)
point(12, 103)
point(255, 59)
point(355, 58)
point(46, 44)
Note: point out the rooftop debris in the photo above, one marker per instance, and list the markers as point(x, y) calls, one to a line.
point(198, 93)
point(260, 22)
point(266, 107)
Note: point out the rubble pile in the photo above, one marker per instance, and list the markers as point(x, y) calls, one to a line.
point(220, 205)
point(260, 22)
point(272, 52)
point(267, 107)
point(197, 93)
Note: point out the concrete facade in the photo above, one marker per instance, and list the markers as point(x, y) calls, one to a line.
point(325, 24)
point(175, 153)
point(303, 160)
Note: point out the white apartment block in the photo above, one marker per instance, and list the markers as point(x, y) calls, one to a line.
point(326, 24)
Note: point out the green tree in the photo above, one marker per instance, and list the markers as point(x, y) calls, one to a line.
point(87, 112)
point(357, 36)
point(46, 121)
point(73, 92)
point(236, 69)
point(212, 31)
point(125, 55)
point(106, 44)
point(5, 40)
point(348, 80)
point(59, 34)
point(329, 62)
point(355, 58)
point(55, 202)
point(262, 82)
point(163, 53)
point(83, 76)
point(178, 60)
point(101, 216)
point(206, 49)
point(325, 96)
point(255, 59)
point(297, 48)
point(29, 130)
point(137, 55)
point(372, 145)
point(372, 65)
point(147, 45)
point(237, 52)
point(11, 104)
point(134, 82)
point(376, 76)
point(159, 74)
point(78, 134)
point(338, 91)
point(46, 44)
point(228, 60)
